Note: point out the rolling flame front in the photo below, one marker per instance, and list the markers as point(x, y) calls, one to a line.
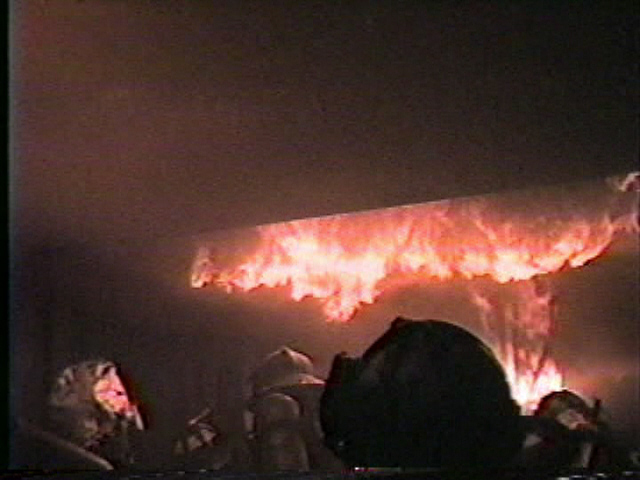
point(346, 261)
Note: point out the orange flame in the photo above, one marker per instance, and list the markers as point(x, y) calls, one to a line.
point(346, 261)
point(529, 386)
point(519, 332)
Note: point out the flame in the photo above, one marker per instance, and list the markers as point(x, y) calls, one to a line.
point(520, 331)
point(528, 388)
point(346, 261)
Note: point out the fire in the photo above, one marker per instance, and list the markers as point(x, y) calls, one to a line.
point(519, 328)
point(346, 261)
point(529, 386)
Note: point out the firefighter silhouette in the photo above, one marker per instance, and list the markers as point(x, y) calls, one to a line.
point(425, 394)
point(285, 432)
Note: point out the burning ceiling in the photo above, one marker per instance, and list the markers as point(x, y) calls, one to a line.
point(346, 261)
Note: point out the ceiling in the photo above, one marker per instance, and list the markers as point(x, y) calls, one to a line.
point(134, 122)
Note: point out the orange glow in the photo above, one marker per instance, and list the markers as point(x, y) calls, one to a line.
point(529, 386)
point(346, 261)
point(519, 330)
point(111, 394)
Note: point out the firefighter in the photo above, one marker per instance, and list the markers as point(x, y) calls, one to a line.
point(90, 407)
point(89, 415)
point(565, 432)
point(426, 394)
point(284, 407)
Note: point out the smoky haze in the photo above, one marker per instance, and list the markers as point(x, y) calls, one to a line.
point(137, 126)
point(145, 121)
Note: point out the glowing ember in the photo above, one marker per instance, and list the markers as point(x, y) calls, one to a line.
point(346, 261)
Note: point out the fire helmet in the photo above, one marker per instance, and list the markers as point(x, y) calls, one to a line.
point(284, 367)
point(425, 394)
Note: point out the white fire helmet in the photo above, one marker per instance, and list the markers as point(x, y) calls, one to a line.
point(284, 367)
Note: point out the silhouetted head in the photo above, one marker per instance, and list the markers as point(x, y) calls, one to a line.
point(425, 394)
